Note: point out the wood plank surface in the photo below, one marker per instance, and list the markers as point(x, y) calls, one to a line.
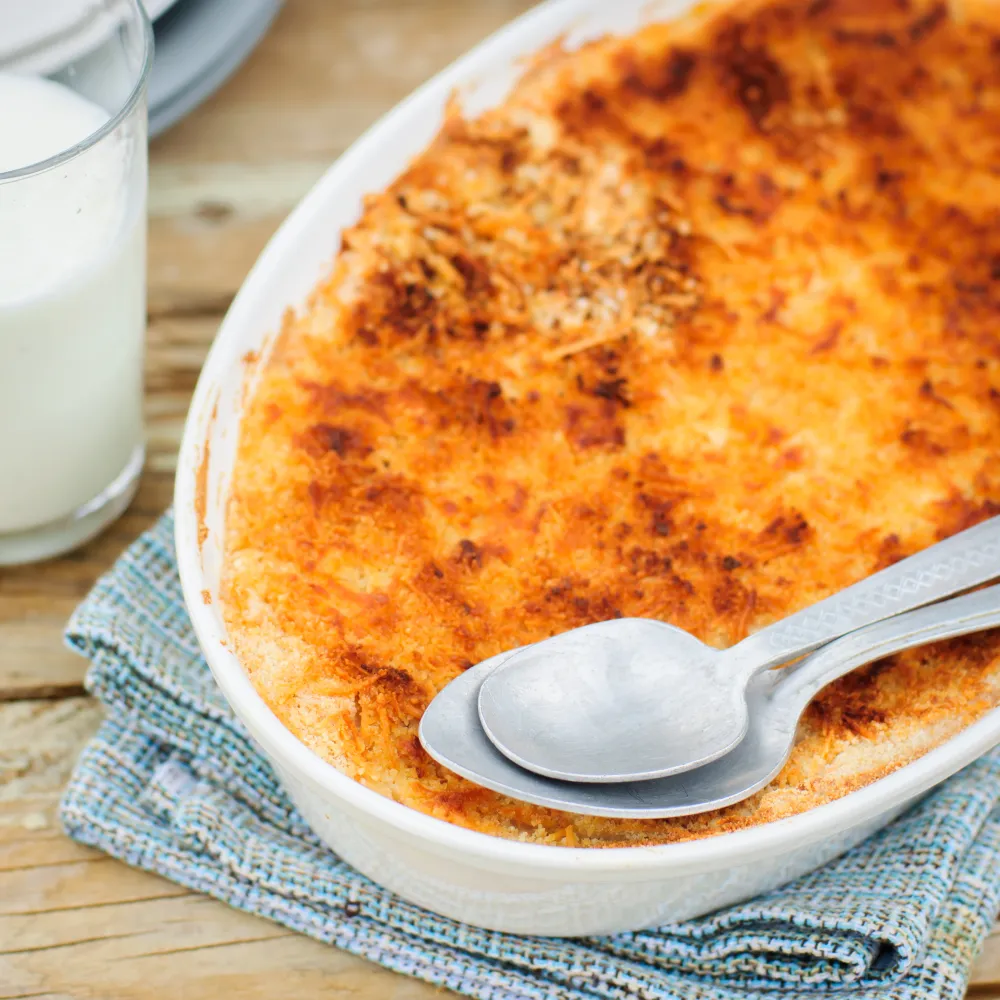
point(75, 924)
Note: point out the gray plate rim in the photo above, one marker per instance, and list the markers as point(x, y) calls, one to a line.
point(180, 80)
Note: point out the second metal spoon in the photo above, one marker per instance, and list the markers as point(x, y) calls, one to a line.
point(451, 734)
point(634, 699)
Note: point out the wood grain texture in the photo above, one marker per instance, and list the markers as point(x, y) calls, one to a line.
point(75, 924)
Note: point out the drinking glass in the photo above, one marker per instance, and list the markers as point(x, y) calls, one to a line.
point(73, 179)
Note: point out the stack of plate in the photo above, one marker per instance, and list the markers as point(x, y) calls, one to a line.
point(199, 44)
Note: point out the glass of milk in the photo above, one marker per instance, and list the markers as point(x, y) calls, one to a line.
point(72, 268)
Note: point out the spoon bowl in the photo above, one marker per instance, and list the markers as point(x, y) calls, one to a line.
point(556, 714)
point(450, 731)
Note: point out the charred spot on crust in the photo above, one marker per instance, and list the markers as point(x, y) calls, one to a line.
point(791, 528)
point(730, 207)
point(485, 406)
point(860, 718)
point(658, 79)
point(649, 563)
point(589, 428)
point(595, 421)
point(469, 554)
point(574, 602)
point(928, 392)
point(395, 679)
point(758, 79)
point(588, 112)
point(960, 512)
point(919, 439)
point(660, 510)
point(475, 274)
point(829, 339)
point(323, 438)
point(927, 23)
point(407, 305)
point(890, 551)
point(871, 39)
point(979, 649)
point(332, 398)
point(614, 390)
point(885, 178)
point(870, 114)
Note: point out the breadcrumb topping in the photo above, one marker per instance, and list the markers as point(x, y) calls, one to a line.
point(700, 324)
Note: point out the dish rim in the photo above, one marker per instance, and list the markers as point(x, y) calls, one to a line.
point(239, 332)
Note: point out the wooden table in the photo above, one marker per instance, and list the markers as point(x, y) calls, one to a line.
point(74, 923)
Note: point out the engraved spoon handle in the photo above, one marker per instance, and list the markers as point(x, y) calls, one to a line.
point(799, 684)
point(963, 561)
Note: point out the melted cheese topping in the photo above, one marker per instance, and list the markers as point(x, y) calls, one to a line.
point(700, 324)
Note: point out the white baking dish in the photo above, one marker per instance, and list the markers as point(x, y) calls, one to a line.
point(483, 880)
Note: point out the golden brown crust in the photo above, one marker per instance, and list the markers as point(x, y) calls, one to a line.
point(700, 325)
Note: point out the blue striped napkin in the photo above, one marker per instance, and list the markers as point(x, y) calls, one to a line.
point(171, 783)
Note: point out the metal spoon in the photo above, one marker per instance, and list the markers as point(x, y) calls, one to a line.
point(451, 734)
point(635, 699)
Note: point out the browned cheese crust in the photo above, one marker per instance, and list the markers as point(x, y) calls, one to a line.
point(701, 324)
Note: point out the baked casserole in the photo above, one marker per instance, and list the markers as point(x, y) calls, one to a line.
point(699, 324)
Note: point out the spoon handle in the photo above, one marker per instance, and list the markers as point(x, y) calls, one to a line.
point(965, 560)
point(959, 616)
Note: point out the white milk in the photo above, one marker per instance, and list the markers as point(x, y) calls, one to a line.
point(72, 308)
